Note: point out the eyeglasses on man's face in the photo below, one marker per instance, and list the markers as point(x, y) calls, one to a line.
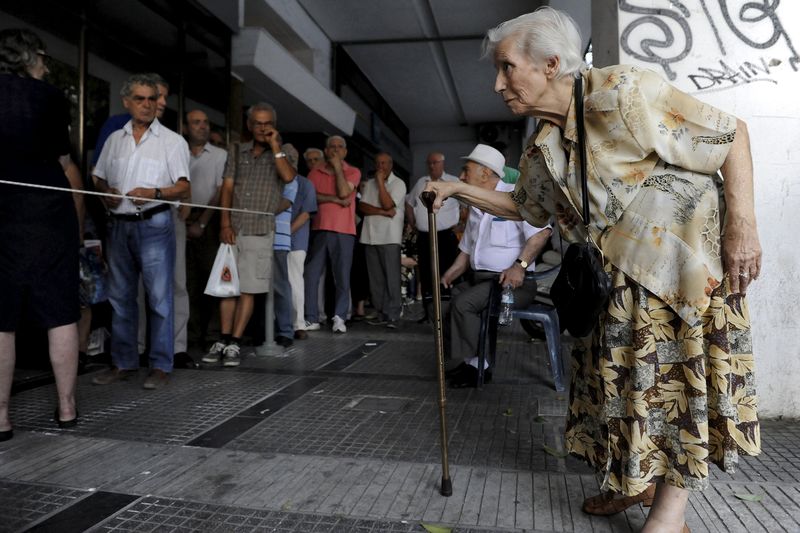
point(139, 99)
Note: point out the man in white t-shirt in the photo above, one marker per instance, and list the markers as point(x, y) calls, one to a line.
point(492, 249)
point(381, 206)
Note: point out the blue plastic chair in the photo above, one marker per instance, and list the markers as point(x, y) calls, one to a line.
point(537, 312)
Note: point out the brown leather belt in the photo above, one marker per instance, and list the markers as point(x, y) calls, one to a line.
point(140, 215)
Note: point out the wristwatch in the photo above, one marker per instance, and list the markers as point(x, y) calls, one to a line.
point(522, 263)
point(158, 194)
point(280, 155)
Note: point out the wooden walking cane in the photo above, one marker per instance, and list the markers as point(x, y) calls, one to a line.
point(428, 198)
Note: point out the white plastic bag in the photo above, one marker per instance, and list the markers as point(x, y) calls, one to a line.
point(224, 279)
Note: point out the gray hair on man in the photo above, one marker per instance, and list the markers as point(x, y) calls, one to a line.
point(291, 153)
point(262, 106)
point(543, 34)
point(310, 151)
point(158, 80)
point(334, 138)
point(137, 79)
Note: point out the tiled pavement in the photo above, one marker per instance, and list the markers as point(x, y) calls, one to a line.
point(340, 434)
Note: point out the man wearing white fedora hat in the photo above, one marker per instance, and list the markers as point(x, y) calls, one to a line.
point(492, 248)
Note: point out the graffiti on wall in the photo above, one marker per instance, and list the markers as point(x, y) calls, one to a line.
point(665, 36)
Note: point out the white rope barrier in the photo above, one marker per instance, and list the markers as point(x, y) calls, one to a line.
point(176, 203)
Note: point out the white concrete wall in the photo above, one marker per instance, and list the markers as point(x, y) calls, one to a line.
point(751, 68)
point(290, 25)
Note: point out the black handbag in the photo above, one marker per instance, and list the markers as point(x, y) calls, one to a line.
point(580, 291)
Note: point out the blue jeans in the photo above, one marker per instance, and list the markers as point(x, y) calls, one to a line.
point(339, 247)
point(145, 247)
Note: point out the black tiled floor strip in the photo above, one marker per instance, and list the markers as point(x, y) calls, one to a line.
point(352, 356)
point(230, 429)
point(86, 513)
point(233, 427)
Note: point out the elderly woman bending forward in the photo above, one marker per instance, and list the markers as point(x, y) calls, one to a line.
point(664, 385)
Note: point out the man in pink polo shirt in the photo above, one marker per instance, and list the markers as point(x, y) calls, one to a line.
point(333, 232)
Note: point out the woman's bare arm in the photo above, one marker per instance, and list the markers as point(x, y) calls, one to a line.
point(741, 250)
point(495, 202)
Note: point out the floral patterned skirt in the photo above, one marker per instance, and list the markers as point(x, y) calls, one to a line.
point(656, 400)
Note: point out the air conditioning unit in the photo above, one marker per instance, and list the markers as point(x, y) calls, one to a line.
point(493, 133)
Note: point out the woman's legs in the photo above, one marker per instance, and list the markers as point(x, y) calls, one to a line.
point(64, 358)
point(7, 359)
point(668, 513)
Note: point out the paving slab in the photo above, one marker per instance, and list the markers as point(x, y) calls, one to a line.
point(341, 433)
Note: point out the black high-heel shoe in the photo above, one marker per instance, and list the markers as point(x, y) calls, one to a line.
point(6, 435)
point(63, 424)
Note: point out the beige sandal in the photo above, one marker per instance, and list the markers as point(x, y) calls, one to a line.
point(605, 504)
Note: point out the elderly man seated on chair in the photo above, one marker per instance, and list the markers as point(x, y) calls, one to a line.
point(492, 250)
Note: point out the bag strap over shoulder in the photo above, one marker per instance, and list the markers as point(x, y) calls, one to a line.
point(578, 90)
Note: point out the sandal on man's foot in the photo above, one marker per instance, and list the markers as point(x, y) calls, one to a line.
point(605, 504)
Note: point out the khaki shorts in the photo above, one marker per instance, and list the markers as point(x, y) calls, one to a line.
point(254, 261)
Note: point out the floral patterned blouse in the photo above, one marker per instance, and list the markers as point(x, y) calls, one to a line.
point(655, 197)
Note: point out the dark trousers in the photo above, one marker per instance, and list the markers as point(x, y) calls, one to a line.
point(200, 255)
point(383, 265)
point(339, 247)
point(448, 251)
point(469, 300)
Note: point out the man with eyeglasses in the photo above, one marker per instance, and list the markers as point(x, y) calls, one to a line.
point(446, 220)
point(144, 161)
point(116, 122)
point(181, 297)
point(254, 176)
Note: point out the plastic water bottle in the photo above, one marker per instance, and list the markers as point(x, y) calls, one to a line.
point(506, 306)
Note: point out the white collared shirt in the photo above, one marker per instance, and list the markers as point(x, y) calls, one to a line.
point(494, 243)
point(205, 170)
point(378, 229)
point(159, 160)
point(446, 217)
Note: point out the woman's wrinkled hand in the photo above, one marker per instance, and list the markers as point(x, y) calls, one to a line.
point(741, 253)
point(443, 191)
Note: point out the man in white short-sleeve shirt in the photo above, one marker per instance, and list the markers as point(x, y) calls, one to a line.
point(382, 207)
point(201, 235)
point(447, 219)
point(144, 161)
point(492, 250)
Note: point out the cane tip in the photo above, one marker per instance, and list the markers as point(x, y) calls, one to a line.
point(447, 487)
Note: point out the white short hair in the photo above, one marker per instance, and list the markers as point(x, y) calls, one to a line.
point(335, 137)
point(543, 34)
point(262, 106)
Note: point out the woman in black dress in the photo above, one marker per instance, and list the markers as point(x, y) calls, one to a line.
point(38, 228)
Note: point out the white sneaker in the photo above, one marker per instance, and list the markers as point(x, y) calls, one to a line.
point(312, 326)
point(215, 353)
point(338, 325)
point(230, 355)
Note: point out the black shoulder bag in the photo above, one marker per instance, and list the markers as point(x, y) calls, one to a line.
point(580, 291)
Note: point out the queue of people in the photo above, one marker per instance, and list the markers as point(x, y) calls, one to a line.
point(680, 248)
